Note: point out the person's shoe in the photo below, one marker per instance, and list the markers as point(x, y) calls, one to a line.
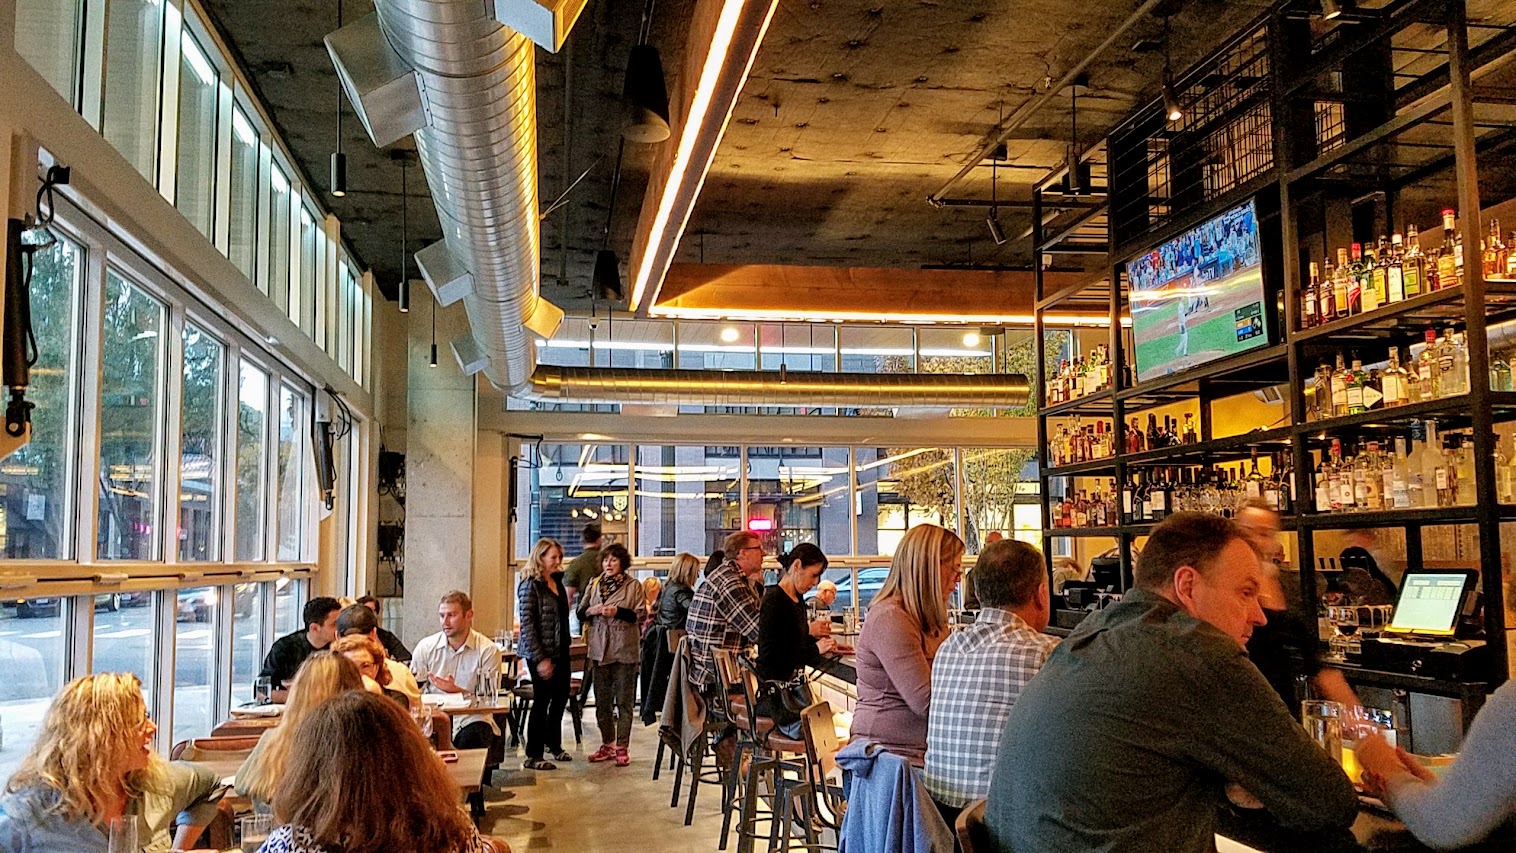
point(562, 755)
point(622, 758)
point(538, 764)
point(606, 752)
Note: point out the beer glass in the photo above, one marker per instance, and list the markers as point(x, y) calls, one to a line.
point(123, 835)
point(263, 690)
point(253, 830)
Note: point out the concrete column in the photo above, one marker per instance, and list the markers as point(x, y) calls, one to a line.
point(441, 434)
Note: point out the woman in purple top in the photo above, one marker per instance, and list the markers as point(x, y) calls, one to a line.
point(906, 622)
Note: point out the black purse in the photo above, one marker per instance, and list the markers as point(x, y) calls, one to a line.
point(787, 701)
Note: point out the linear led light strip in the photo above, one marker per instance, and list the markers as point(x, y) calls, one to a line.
point(689, 134)
point(779, 315)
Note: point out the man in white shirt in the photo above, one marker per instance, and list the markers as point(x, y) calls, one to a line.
point(359, 619)
point(454, 660)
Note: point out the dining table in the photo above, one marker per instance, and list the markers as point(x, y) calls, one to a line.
point(465, 772)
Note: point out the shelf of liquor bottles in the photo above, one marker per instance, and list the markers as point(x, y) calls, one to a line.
point(1230, 448)
point(1418, 517)
point(1091, 468)
point(1411, 316)
point(1453, 412)
point(1098, 402)
point(1086, 532)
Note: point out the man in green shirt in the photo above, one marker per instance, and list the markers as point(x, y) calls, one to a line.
point(1145, 718)
point(585, 567)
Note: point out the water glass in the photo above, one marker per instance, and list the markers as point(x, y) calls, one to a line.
point(1323, 721)
point(423, 718)
point(123, 835)
point(253, 830)
point(503, 639)
point(263, 690)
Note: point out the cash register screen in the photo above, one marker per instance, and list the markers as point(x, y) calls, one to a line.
point(1430, 602)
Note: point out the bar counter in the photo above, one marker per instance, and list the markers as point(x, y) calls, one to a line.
point(1237, 830)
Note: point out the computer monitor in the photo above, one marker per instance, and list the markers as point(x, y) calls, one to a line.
point(1431, 601)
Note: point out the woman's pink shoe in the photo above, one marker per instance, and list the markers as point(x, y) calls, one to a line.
point(622, 759)
point(606, 752)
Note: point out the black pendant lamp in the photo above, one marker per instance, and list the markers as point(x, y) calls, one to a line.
point(339, 160)
point(607, 280)
point(405, 234)
point(645, 94)
point(1078, 183)
point(1172, 110)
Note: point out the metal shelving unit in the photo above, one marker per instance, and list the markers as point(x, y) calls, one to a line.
point(1401, 143)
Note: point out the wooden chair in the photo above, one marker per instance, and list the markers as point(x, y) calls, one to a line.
point(767, 745)
point(821, 803)
point(245, 726)
point(973, 835)
point(578, 662)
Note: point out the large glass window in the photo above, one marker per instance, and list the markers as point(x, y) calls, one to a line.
point(303, 300)
point(289, 598)
point(579, 484)
point(131, 423)
point(243, 213)
point(33, 650)
point(899, 488)
point(252, 429)
point(195, 181)
point(247, 640)
point(47, 36)
point(133, 60)
point(292, 421)
point(877, 349)
point(200, 452)
point(799, 494)
point(194, 661)
point(994, 481)
point(955, 351)
point(125, 640)
point(687, 500)
point(798, 346)
point(35, 520)
point(278, 282)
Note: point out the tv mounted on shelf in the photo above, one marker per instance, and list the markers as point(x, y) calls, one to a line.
point(1200, 296)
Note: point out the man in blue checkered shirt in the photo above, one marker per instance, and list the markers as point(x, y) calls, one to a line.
point(980, 670)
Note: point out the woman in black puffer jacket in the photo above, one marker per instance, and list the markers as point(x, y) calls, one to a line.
point(542, 610)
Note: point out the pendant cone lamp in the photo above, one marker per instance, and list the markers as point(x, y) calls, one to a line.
point(646, 97)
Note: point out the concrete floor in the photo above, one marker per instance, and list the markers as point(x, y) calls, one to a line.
point(589, 807)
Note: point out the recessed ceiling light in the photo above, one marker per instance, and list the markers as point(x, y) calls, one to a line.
point(730, 335)
point(971, 339)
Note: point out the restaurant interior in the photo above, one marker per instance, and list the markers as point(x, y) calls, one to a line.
point(367, 297)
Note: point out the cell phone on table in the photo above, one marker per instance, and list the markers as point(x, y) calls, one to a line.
point(448, 756)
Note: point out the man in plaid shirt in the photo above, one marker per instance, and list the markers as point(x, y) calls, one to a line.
point(980, 670)
point(724, 612)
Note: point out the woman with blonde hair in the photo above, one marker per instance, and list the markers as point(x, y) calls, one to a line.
point(672, 610)
point(542, 611)
point(323, 675)
point(94, 762)
point(906, 622)
point(330, 799)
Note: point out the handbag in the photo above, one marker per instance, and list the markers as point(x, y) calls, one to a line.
point(787, 701)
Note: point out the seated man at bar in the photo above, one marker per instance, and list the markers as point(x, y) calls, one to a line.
point(357, 619)
point(981, 669)
point(724, 611)
point(456, 660)
point(393, 646)
point(288, 652)
point(1139, 720)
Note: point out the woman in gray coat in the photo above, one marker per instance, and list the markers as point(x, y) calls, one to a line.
point(611, 610)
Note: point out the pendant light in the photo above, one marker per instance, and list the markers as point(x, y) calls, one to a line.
point(405, 234)
point(433, 362)
point(644, 91)
point(1172, 111)
point(339, 160)
point(606, 282)
point(1076, 178)
point(993, 220)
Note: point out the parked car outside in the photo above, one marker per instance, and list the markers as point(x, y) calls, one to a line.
point(27, 608)
point(197, 604)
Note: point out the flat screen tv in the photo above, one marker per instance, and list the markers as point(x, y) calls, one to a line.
point(1198, 297)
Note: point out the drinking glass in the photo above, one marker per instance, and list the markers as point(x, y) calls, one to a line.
point(123, 835)
point(423, 718)
point(503, 639)
point(253, 830)
point(1323, 722)
point(263, 690)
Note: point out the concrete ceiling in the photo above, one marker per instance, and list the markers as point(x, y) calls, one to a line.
point(855, 112)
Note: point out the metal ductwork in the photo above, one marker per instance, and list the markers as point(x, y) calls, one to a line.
point(779, 388)
point(475, 84)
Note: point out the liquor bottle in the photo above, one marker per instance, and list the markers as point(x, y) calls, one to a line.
point(1323, 484)
point(1190, 435)
point(1310, 300)
point(1136, 442)
point(1393, 381)
point(1463, 464)
point(1449, 260)
point(1500, 373)
point(1368, 482)
point(1154, 439)
point(1448, 378)
point(1342, 480)
point(1340, 279)
point(1355, 383)
point(1413, 476)
point(1272, 484)
point(1397, 493)
point(1158, 497)
point(1447, 473)
point(1458, 347)
point(1328, 310)
point(1494, 252)
point(1426, 368)
point(1253, 485)
point(1286, 470)
point(1503, 479)
point(1413, 264)
point(1428, 458)
point(1510, 256)
point(1340, 381)
point(1358, 282)
point(1394, 270)
point(1378, 269)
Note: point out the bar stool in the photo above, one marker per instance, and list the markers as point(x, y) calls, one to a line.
point(715, 727)
point(822, 803)
point(766, 745)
